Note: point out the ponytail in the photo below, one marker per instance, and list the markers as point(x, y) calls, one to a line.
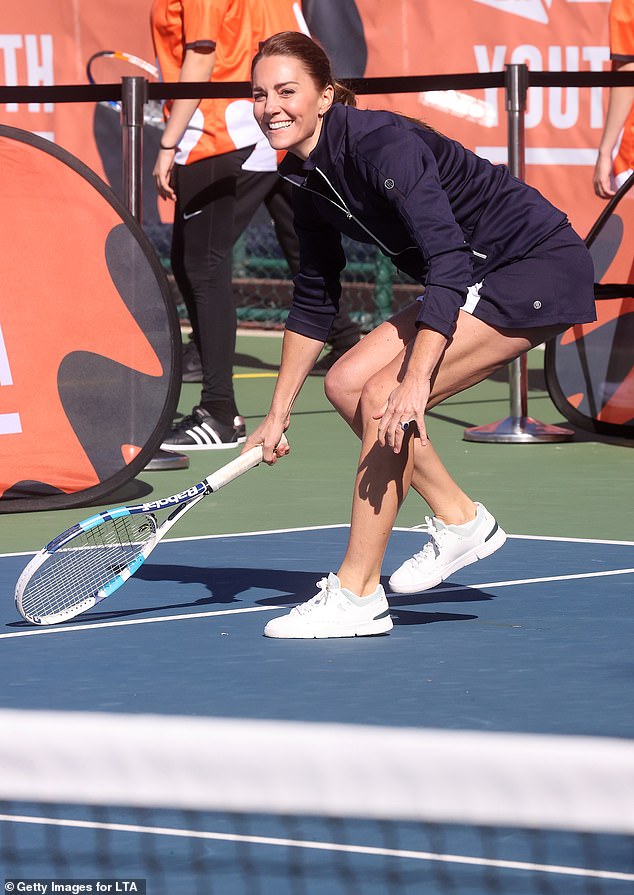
point(344, 95)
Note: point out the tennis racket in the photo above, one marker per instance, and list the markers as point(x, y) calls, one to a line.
point(109, 66)
point(92, 559)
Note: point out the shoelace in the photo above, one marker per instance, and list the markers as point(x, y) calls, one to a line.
point(319, 598)
point(432, 548)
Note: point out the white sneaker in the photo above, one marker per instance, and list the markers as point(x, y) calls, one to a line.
point(449, 548)
point(334, 612)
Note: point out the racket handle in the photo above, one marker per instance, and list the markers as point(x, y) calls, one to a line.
point(237, 467)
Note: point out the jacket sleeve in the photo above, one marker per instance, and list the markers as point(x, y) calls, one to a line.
point(402, 170)
point(317, 286)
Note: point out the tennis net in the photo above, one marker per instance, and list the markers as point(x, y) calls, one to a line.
point(94, 802)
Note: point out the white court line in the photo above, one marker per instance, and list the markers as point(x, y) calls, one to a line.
point(229, 534)
point(140, 621)
point(499, 864)
point(278, 531)
point(184, 616)
point(570, 540)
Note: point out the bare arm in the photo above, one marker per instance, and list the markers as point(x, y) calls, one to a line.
point(619, 105)
point(198, 65)
point(299, 354)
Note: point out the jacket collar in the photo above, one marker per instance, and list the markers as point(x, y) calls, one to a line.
point(326, 151)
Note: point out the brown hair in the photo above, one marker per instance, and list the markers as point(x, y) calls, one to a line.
point(312, 57)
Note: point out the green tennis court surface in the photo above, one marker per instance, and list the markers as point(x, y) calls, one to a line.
point(534, 642)
point(581, 488)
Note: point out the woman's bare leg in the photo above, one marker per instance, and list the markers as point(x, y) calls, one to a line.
point(360, 383)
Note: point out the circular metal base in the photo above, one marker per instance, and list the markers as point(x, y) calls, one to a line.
point(518, 430)
point(163, 460)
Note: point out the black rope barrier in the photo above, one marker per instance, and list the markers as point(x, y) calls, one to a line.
point(94, 93)
point(515, 80)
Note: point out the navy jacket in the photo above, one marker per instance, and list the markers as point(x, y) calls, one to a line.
point(443, 215)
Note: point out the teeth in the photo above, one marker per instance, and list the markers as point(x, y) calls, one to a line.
point(278, 125)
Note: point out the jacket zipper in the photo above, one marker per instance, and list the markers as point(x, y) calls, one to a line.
point(343, 207)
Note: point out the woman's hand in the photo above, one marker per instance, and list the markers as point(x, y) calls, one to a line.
point(198, 65)
point(162, 173)
point(269, 434)
point(602, 177)
point(404, 410)
point(405, 407)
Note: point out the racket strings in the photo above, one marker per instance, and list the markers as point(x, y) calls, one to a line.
point(86, 564)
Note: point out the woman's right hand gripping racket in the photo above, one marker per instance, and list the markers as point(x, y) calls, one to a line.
point(92, 559)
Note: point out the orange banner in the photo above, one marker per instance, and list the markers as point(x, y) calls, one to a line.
point(51, 43)
point(563, 125)
point(88, 365)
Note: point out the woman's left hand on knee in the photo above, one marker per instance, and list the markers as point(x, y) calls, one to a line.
point(402, 415)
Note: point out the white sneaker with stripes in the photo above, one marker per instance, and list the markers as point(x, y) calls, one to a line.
point(201, 432)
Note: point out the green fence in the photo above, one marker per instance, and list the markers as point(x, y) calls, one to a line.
point(372, 287)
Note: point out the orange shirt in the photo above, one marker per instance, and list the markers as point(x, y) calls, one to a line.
point(234, 29)
point(622, 50)
point(622, 30)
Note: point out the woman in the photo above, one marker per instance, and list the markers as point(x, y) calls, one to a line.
point(502, 271)
point(211, 166)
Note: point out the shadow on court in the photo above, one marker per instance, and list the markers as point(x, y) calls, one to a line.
point(228, 586)
point(535, 639)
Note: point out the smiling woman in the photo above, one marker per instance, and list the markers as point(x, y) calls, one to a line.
point(292, 94)
point(501, 271)
point(290, 111)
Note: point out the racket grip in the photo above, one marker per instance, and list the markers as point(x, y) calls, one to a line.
point(238, 467)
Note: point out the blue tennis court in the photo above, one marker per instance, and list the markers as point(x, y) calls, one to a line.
point(536, 640)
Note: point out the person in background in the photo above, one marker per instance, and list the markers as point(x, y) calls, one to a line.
point(254, 188)
point(210, 165)
point(258, 183)
point(501, 271)
point(612, 171)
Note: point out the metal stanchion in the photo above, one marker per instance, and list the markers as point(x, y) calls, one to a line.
point(133, 99)
point(518, 426)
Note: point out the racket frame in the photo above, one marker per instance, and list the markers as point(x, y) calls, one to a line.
point(153, 114)
point(181, 502)
point(145, 66)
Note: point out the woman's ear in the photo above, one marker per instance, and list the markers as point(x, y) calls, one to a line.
point(327, 99)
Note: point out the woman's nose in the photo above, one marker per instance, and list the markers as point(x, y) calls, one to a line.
point(271, 105)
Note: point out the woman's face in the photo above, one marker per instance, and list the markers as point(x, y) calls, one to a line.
point(287, 104)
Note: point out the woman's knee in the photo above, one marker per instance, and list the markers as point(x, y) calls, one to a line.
point(340, 385)
point(374, 394)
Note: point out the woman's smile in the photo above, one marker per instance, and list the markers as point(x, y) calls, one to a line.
point(287, 105)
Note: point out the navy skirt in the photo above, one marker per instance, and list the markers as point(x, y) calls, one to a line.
point(552, 285)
